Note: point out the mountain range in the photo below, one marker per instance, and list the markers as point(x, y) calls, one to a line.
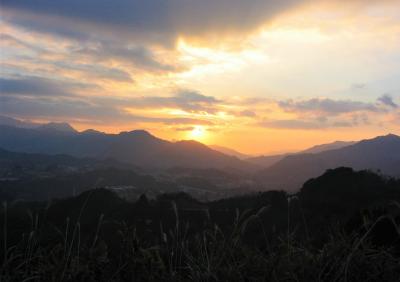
point(381, 153)
point(267, 161)
point(136, 147)
point(141, 149)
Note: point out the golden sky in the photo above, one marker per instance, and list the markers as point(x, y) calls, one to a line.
point(258, 76)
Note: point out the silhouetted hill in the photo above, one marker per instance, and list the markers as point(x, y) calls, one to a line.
point(126, 181)
point(24, 159)
point(381, 153)
point(341, 220)
point(60, 126)
point(346, 191)
point(39, 176)
point(16, 166)
point(135, 147)
point(88, 207)
point(4, 120)
point(267, 161)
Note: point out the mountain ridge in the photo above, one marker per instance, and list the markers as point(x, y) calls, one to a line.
point(381, 153)
point(137, 147)
point(269, 160)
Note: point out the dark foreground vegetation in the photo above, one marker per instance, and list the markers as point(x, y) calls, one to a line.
point(342, 226)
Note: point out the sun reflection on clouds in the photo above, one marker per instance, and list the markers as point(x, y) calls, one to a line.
point(210, 61)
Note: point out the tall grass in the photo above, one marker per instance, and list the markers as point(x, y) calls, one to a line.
point(208, 255)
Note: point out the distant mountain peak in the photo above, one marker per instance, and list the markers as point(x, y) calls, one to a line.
point(141, 132)
point(380, 153)
point(191, 143)
point(9, 121)
point(91, 131)
point(383, 138)
point(137, 132)
point(391, 135)
point(59, 126)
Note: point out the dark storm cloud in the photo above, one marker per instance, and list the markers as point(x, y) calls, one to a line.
point(157, 20)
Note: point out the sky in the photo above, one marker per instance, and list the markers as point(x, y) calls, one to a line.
point(259, 76)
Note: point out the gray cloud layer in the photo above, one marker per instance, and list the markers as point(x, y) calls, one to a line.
point(37, 86)
point(320, 113)
point(45, 98)
point(326, 106)
point(186, 100)
point(77, 110)
point(159, 20)
point(137, 56)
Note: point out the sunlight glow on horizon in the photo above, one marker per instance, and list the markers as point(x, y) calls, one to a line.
point(198, 133)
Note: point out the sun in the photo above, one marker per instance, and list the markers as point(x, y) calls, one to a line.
point(198, 132)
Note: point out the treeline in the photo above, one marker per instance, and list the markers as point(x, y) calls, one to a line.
point(342, 226)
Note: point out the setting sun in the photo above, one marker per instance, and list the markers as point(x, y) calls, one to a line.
point(198, 133)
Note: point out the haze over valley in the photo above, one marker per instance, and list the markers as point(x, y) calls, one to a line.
point(205, 172)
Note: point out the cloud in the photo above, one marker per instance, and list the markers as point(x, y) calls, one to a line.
point(388, 101)
point(291, 124)
point(48, 107)
point(97, 71)
point(358, 86)
point(186, 128)
point(177, 121)
point(137, 56)
point(25, 54)
point(186, 100)
point(70, 109)
point(44, 98)
point(155, 20)
point(9, 40)
point(299, 124)
point(33, 97)
point(247, 113)
point(38, 86)
point(327, 106)
point(322, 113)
